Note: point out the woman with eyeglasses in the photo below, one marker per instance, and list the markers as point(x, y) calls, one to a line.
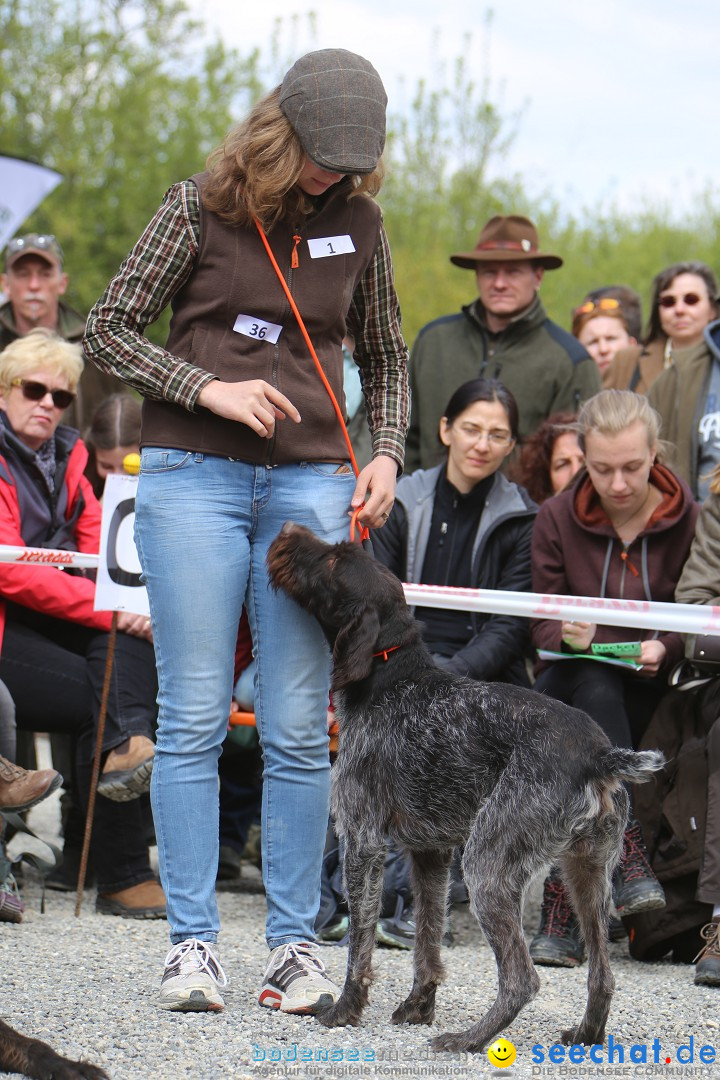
point(53, 642)
point(464, 524)
point(687, 391)
point(623, 530)
point(669, 332)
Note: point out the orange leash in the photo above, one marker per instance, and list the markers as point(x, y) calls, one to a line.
point(363, 531)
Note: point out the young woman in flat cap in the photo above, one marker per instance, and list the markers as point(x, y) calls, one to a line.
point(239, 436)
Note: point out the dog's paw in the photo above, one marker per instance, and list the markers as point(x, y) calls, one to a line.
point(455, 1042)
point(579, 1036)
point(338, 1015)
point(413, 1011)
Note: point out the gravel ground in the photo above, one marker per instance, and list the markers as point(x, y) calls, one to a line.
point(87, 986)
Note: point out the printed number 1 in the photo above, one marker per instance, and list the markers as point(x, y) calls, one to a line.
point(332, 249)
point(258, 331)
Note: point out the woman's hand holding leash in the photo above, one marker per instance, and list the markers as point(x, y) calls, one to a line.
point(376, 488)
point(255, 403)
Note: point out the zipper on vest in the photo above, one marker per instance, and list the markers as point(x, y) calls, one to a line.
point(276, 356)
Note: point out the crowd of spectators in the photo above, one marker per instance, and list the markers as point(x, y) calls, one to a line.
point(582, 461)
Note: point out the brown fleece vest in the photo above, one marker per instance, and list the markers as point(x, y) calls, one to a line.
point(233, 277)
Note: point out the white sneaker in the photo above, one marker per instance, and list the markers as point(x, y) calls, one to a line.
point(295, 980)
point(192, 976)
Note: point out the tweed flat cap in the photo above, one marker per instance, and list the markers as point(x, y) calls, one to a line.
point(335, 101)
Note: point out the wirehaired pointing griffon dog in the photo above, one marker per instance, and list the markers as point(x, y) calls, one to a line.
point(435, 761)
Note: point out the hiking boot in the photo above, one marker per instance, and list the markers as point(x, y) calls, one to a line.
point(635, 887)
point(11, 905)
point(22, 788)
point(397, 931)
point(127, 771)
point(295, 980)
point(558, 942)
point(192, 978)
point(143, 901)
point(707, 961)
point(616, 929)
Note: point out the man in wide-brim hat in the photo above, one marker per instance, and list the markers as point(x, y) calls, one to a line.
point(504, 334)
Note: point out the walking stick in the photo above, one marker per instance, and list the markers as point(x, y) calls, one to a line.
point(95, 775)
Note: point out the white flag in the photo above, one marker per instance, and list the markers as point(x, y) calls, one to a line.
point(23, 186)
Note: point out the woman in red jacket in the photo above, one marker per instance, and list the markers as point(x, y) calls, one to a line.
point(622, 530)
point(53, 642)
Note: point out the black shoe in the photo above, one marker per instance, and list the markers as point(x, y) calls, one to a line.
point(635, 887)
point(558, 942)
point(707, 961)
point(397, 931)
point(616, 929)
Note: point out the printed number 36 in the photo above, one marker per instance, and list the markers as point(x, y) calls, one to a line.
point(256, 330)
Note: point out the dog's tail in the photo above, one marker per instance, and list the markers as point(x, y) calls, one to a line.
point(634, 765)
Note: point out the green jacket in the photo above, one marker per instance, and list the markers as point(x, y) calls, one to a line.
point(679, 395)
point(544, 366)
point(94, 385)
point(71, 324)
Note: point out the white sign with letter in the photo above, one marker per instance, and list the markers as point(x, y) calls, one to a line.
point(118, 585)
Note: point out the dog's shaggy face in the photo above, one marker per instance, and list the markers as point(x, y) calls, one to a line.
point(353, 607)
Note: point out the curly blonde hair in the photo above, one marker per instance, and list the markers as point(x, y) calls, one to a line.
point(254, 172)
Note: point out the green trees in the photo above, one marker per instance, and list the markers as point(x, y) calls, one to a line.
point(442, 160)
point(124, 97)
point(117, 96)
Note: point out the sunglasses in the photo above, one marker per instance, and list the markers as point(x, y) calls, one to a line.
point(690, 298)
point(607, 303)
point(37, 241)
point(36, 391)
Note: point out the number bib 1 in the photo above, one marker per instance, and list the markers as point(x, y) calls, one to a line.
point(253, 327)
point(324, 246)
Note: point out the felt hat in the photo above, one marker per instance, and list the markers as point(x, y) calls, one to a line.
point(508, 238)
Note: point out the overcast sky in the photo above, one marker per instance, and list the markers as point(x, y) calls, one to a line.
point(621, 96)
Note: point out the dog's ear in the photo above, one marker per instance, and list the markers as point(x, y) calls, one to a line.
point(354, 645)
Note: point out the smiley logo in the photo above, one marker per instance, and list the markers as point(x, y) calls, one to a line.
point(501, 1054)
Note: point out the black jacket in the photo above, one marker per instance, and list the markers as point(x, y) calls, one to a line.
point(500, 560)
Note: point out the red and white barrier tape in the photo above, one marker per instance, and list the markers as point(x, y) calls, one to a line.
point(645, 614)
point(47, 556)
point(640, 614)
